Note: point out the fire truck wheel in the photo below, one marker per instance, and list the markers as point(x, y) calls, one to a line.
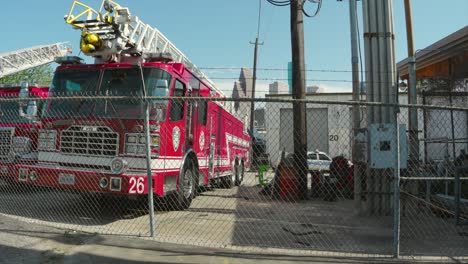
point(187, 187)
point(235, 175)
point(228, 182)
point(240, 174)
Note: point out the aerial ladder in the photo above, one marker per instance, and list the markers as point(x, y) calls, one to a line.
point(112, 34)
point(20, 60)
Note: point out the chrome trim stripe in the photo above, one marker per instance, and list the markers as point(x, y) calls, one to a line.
point(133, 163)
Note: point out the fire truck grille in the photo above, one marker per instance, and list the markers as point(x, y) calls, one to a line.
point(89, 140)
point(6, 137)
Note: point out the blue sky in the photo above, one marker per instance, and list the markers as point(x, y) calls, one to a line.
point(216, 33)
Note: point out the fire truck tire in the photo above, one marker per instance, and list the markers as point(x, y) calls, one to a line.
point(187, 187)
point(229, 181)
point(225, 182)
point(240, 174)
point(235, 175)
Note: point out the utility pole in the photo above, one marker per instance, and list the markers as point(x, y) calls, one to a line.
point(254, 81)
point(298, 92)
point(381, 82)
point(412, 94)
point(357, 152)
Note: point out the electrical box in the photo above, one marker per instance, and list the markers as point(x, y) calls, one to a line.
point(383, 146)
point(360, 146)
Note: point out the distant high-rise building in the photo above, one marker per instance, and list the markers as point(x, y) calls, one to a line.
point(290, 76)
point(242, 89)
point(279, 88)
point(245, 80)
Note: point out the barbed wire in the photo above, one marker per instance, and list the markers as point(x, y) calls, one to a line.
point(277, 79)
point(283, 69)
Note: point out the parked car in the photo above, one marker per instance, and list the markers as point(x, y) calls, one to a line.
point(318, 161)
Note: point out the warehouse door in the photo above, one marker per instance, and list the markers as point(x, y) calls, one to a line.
point(317, 129)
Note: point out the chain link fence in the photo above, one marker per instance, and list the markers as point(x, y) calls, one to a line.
point(80, 162)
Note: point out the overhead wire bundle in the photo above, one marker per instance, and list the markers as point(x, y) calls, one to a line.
point(288, 2)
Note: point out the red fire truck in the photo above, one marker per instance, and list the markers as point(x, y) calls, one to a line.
point(99, 145)
point(19, 124)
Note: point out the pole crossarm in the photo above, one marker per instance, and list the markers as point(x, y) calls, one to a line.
point(20, 60)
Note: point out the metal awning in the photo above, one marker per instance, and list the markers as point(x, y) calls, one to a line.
point(453, 45)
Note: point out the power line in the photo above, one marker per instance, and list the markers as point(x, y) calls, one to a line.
point(279, 3)
point(282, 69)
point(271, 69)
point(319, 7)
point(278, 79)
point(287, 3)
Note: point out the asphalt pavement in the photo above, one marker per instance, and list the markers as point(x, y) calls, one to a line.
point(223, 226)
point(26, 243)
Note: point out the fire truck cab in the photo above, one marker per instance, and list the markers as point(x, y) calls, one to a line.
point(19, 124)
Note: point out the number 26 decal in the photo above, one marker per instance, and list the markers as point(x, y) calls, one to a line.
point(136, 185)
point(333, 137)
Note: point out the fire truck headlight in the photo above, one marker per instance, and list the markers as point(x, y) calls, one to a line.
point(103, 182)
point(33, 175)
point(130, 149)
point(132, 139)
point(47, 139)
point(118, 165)
point(154, 140)
point(141, 150)
point(21, 145)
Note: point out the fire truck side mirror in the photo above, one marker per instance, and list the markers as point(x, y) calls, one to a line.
point(159, 114)
point(160, 89)
point(23, 94)
point(31, 111)
point(162, 84)
point(31, 106)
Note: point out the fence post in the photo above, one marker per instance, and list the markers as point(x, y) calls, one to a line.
point(148, 169)
point(396, 206)
point(456, 193)
point(149, 174)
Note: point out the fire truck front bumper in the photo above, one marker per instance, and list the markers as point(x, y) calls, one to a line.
point(8, 169)
point(128, 183)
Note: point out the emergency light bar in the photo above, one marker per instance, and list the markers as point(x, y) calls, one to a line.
point(158, 56)
point(69, 60)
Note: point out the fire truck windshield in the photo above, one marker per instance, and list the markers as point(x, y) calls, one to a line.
point(127, 82)
point(115, 82)
point(72, 82)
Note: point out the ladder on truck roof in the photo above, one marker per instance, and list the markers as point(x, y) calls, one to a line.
point(20, 60)
point(123, 33)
